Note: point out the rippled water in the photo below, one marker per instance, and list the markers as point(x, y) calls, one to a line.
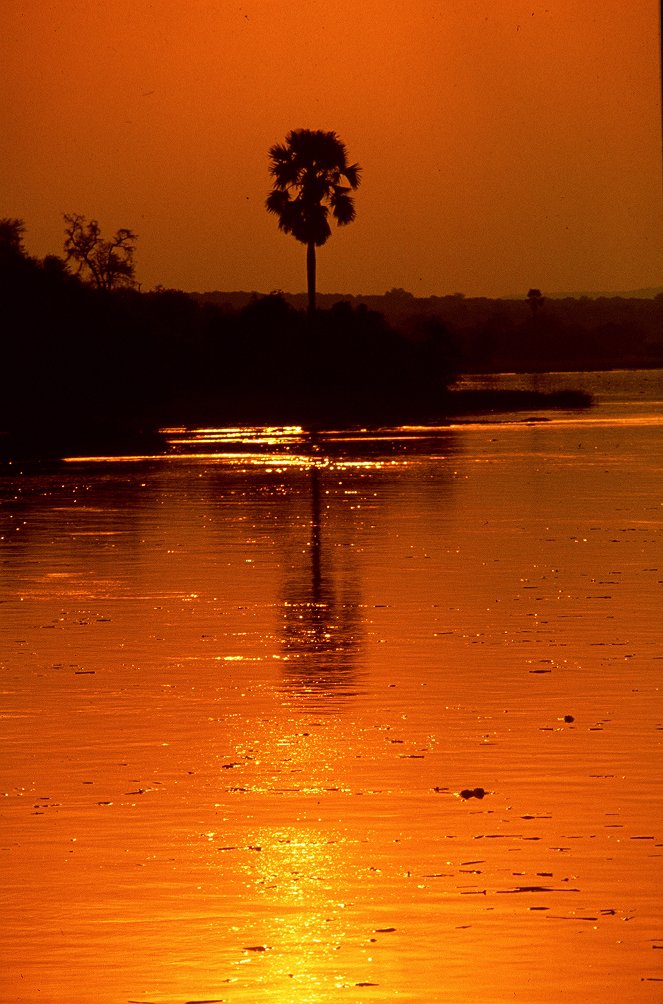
point(368, 717)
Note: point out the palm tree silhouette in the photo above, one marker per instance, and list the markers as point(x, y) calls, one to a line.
point(311, 178)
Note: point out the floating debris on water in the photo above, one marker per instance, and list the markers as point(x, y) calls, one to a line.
point(473, 793)
point(536, 888)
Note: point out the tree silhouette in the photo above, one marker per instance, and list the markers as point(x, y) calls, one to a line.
point(107, 264)
point(11, 236)
point(536, 300)
point(312, 178)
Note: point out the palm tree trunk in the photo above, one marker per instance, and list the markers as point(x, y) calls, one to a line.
point(310, 276)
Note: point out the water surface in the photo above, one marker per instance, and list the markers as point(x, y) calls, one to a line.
point(370, 716)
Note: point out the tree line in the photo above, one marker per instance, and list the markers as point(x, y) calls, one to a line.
point(89, 360)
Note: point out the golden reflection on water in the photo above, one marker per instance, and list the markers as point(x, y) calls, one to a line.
point(307, 926)
point(292, 446)
point(244, 698)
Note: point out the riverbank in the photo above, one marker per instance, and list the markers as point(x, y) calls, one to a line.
point(51, 442)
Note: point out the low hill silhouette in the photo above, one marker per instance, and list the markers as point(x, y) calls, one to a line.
point(495, 335)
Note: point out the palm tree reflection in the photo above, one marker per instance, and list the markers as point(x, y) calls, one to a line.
point(321, 615)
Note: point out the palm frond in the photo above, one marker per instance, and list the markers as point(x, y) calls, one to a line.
point(315, 224)
point(343, 206)
point(311, 177)
point(353, 174)
point(276, 202)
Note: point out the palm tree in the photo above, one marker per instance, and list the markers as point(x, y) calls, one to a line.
point(312, 178)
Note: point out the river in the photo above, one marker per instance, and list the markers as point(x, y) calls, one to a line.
point(364, 716)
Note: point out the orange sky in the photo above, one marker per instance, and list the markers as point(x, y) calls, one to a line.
point(504, 144)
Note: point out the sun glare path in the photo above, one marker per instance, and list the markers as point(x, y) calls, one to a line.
point(292, 446)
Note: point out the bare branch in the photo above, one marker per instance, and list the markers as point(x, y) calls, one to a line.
point(108, 264)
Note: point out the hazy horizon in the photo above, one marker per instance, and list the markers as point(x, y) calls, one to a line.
point(642, 293)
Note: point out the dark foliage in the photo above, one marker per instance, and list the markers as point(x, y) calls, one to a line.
point(558, 334)
point(88, 369)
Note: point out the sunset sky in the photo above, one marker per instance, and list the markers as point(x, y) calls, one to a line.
point(504, 144)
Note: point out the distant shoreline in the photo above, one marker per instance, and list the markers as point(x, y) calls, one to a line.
point(497, 335)
point(517, 400)
point(36, 447)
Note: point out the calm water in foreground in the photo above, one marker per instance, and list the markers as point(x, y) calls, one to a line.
point(245, 689)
